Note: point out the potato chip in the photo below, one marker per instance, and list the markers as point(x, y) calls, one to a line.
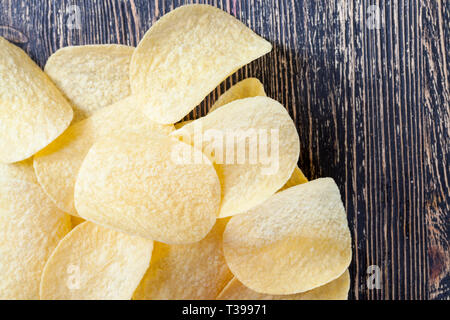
point(33, 112)
point(93, 262)
point(247, 88)
point(255, 147)
point(135, 183)
point(57, 165)
point(191, 271)
point(185, 55)
point(296, 241)
point(334, 290)
point(31, 227)
point(296, 178)
point(92, 76)
point(22, 170)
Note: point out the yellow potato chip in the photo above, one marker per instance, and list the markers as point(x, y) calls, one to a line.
point(22, 170)
point(33, 112)
point(191, 271)
point(31, 227)
point(296, 178)
point(185, 55)
point(247, 88)
point(135, 183)
point(296, 241)
point(181, 124)
point(255, 147)
point(334, 290)
point(57, 165)
point(92, 76)
point(93, 262)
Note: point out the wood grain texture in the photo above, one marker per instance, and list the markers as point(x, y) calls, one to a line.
point(371, 106)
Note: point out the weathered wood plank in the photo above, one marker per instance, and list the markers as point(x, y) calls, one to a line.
point(436, 140)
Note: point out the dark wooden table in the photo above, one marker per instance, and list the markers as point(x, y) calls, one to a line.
point(367, 83)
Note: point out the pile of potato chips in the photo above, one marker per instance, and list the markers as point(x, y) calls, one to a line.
point(105, 194)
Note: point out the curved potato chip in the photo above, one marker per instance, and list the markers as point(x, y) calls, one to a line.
point(296, 241)
point(93, 262)
point(296, 178)
point(134, 183)
point(260, 153)
point(57, 165)
point(33, 112)
point(191, 271)
point(334, 290)
point(247, 88)
point(91, 76)
point(22, 170)
point(185, 55)
point(31, 227)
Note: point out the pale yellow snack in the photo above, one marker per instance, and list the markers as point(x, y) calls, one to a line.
point(334, 290)
point(93, 262)
point(133, 183)
point(22, 170)
point(296, 178)
point(185, 55)
point(33, 112)
point(91, 76)
point(192, 271)
point(296, 241)
point(57, 165)
point(31, 227)
point(257, 126)
point(247, 88)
